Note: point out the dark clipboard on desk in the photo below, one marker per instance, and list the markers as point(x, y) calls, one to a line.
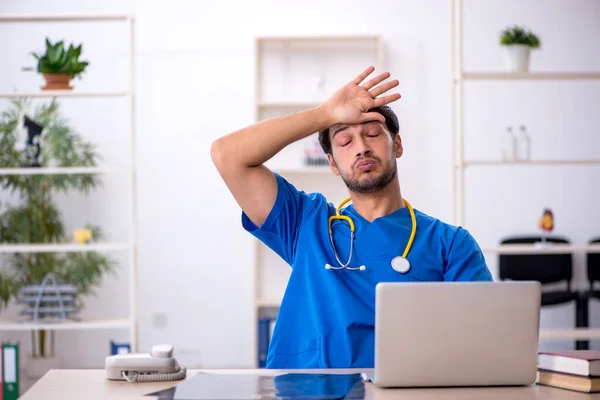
point(257, 386)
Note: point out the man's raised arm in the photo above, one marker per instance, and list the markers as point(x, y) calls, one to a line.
point(240, 155)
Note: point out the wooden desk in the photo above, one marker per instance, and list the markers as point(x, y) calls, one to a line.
point(92, 384)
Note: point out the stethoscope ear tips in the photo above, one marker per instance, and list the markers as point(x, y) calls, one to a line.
point(327, 266)
point(362, 268)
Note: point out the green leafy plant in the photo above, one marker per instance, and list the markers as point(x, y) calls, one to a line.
point(57, 60)
point(33, 216)
point(519, 35)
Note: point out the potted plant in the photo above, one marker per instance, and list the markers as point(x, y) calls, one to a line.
point(518, 43)
point(59, 66)
point(31, 214)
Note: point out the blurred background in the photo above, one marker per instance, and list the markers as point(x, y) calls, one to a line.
point(110, 201)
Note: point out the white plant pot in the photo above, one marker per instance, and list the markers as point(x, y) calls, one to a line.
point(516, 57)
point(38, 366)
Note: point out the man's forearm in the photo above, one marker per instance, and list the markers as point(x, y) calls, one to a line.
point(257, 143)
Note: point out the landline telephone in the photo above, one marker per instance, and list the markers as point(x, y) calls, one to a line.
point(158, 365)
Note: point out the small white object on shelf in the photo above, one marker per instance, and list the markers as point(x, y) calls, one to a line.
point(516, 57)
point(509, 144)
point(523, 145)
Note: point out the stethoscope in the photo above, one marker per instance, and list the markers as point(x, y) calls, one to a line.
point(399, 263)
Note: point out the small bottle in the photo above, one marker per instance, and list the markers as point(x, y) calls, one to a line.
point(508, 145)
point(524, 144)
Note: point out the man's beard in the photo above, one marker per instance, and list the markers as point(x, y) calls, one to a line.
point(372, 183)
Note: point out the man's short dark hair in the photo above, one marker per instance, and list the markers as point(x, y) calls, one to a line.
point(391, 122)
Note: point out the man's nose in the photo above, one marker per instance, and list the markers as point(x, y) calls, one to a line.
point(363, 148)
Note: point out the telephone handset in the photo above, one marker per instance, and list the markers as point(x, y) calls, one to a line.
point(158, 365)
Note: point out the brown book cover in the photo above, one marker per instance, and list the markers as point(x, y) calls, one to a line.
point(569, 381)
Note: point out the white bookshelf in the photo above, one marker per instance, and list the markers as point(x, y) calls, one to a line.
point(528, 76)
point(66, 326)
point(286, 80)
point(129, 246)
point(58, 93)
point(458, 78)
point(62, 171)
point(63, 248)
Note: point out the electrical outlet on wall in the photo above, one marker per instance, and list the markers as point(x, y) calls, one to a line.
point(159, 319)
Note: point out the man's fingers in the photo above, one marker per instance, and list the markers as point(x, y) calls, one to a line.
point(371, 116)
point(384, 88)
point(379, 78)
point(378, 102)
point(362, 76)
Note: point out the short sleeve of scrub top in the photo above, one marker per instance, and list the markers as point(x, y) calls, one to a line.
point(326, 317)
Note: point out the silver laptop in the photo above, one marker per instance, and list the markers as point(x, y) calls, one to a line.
point(441, 334)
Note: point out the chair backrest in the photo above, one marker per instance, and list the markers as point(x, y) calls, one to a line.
point(544, 268)
point(593, 264)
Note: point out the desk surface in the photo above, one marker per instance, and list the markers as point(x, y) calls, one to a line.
point(92, 384)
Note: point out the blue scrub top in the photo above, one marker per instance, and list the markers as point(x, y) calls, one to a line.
point(327, 317)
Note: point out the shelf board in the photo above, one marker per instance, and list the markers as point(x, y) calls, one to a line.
point(317, 170)
point(265, 303)
point(65, 93)
point(572, 333)
point(529, 76)
point(318, 38)
point(61, 248)
point(79, 325)
point(529, 162)
point(59, 170)
point(555, 248)
point(288, 104)
point(62, 17)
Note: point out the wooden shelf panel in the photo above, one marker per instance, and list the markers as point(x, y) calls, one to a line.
point(323, 170)
point(63, 17)
point(62, 248)
point(529, 76)
point(65, 93)
point(267, 303)
point(528, 162)
point(319, 38)
point(287, 104)
point(555, 248)
point(65, 326)
point(60, 171)
point(575, 333)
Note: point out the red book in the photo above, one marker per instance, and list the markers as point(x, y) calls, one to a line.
point(577, 362)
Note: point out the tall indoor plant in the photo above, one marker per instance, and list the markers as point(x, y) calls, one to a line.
point(517, 43)
point(32, 214)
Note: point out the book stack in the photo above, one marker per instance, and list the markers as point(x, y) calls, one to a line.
point(577, 370)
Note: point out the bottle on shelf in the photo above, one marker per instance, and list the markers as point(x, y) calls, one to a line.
point(509, 143)
point(523, 145)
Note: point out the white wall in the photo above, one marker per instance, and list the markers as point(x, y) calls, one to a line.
point(195, 82)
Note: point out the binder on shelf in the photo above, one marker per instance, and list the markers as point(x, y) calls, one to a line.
point(119, 348)
point(263, 341)
point(1, 373)
point(10, 371)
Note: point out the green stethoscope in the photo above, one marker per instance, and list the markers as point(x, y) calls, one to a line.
point(399, 263)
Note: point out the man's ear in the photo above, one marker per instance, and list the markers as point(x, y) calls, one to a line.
point(332, 164)
point(398, 149)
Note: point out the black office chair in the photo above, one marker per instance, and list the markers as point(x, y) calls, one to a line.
point(545, 268)
point(593, 275)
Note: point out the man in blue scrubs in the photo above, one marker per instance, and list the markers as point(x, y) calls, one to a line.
point(327, 315)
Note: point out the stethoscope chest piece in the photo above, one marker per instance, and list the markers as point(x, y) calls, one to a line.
point(400, 264)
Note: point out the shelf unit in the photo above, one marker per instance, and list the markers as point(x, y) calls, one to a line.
point(458, 77)
point(278, 53)
point(129, 323)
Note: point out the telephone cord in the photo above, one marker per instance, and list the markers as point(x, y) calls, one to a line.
point(134, 376)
